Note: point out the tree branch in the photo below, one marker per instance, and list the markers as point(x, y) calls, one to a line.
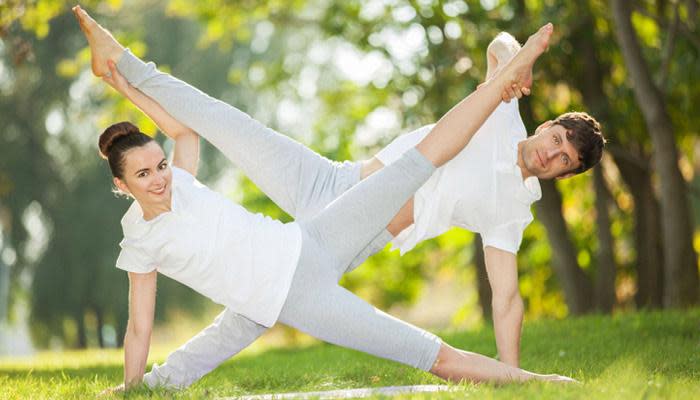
point(687, 32)
point(692, 13)
point(667, 54)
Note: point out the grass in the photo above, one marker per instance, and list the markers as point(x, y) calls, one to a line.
point(647, 355)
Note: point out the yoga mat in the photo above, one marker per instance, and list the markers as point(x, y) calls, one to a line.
point(348, 393)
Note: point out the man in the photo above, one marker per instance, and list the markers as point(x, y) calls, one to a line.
point(488, 188)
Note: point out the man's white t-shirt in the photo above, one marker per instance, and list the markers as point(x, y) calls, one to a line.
point(481, 189)
point(242, 260)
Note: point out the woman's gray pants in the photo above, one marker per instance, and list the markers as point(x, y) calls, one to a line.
point(339, 232)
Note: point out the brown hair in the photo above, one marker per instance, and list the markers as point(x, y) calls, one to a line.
point(584, 133)
point(116, 140)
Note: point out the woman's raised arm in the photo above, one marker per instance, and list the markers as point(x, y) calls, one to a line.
point(186, 150)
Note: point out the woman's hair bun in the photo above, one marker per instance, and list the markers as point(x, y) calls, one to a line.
point(113, 133)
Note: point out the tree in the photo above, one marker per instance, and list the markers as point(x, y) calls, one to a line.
point(680, 268)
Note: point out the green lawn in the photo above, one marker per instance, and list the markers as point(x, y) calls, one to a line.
point(631, 356)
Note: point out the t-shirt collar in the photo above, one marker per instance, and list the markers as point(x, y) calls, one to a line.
point(529, 190)
point(133, 223)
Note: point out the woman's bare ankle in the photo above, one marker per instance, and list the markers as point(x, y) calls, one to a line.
point(103, 46)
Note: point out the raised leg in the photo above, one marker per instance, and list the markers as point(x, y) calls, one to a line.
point(296, 178)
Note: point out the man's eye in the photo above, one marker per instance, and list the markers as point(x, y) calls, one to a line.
point(163, 166)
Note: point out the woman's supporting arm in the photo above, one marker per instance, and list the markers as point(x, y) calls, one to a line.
point(142, 302)
point(186, 151)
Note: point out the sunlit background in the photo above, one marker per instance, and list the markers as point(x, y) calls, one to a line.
point(346, 78)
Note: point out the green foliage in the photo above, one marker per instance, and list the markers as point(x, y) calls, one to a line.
point(257, 55)
point(50, 160)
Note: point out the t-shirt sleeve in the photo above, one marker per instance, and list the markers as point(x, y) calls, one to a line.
point(132, 259)
point(506, 237)
point(394, 150)
point(180, 174)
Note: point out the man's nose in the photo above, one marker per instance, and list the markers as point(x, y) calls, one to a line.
point(551, 153)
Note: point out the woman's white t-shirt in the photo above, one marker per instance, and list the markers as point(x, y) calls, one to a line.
point(481, 189)
point(242, 260)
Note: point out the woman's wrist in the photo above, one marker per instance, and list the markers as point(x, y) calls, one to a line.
point(127, 91)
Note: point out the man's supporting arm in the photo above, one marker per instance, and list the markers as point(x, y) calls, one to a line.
point(502, 270)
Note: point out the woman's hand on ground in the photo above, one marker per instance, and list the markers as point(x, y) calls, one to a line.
point(112, 391)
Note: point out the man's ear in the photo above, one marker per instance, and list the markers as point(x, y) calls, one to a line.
point(121, 185)
point(567, 175)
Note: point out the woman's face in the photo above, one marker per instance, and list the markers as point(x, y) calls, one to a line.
point(147, 175)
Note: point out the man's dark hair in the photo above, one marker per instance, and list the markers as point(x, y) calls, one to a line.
point(583, 131)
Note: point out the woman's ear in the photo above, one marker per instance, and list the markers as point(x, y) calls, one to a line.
point(121, 185)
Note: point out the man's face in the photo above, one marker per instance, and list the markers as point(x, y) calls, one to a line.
point(548, 153)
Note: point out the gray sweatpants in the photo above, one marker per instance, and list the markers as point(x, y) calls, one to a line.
point(316, 304)
point(338, 232)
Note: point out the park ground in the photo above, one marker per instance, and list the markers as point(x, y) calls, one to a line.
point(643, 355)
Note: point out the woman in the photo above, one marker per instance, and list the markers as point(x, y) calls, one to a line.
point(265, 270)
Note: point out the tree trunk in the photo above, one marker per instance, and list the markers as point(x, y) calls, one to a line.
point(647, 232)
point(680, 269)
point(591, 83)
point(5, 224)
point(82, 332)
point(4, 289)
point(578, 291)
point(99, 314)
point(122, 318)
point(633, 169)
point(482, 279)
point(607, 270)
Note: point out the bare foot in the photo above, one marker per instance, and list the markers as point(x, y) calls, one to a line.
point(103, 45)
point(517, 74)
